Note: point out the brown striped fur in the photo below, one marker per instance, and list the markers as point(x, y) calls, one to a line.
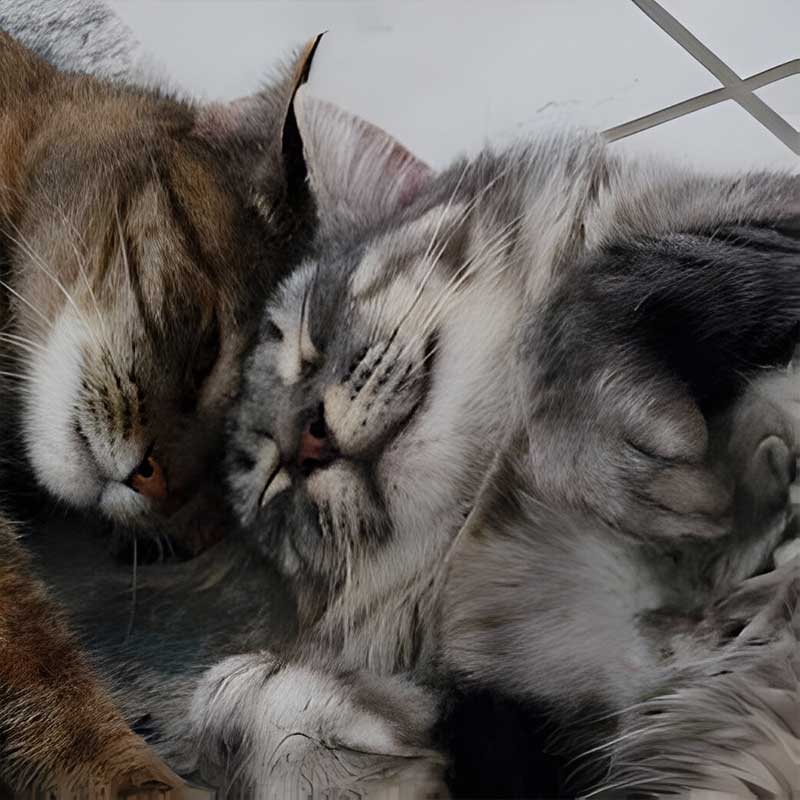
point(138, 236)
point(58, 727)
point(135, 250)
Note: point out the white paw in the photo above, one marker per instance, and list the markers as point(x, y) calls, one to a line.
point(786, 552)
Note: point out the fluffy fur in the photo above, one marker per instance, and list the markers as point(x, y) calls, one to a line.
point(129, 300)
point(487, 438)
point(60, 729)
point(132, 254)
point(518, 432)
point(76, 35)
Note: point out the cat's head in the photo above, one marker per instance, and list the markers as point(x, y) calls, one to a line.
point(367, 416)
point(136, 245)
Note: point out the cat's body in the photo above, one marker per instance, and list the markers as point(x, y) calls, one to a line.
point(487, 435)
point(133, 253)
point(399, 387)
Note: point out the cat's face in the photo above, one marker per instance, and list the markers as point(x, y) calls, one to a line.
point(367, 405)
point(136, 264)
point(131, 300)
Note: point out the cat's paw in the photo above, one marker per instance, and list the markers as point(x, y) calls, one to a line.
point(669, 500)
point(285, 727)
point(788, 551)
point(741, 485)
point(134, 772)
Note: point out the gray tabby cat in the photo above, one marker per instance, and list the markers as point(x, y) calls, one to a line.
point(511, 428)
point(78, 35)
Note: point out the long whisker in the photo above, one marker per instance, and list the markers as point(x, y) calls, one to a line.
point(377, 314)
point(80, 261)
point(40, 264)
point(22, 341)
point(27, 302)
point(134, 584)
point(18, 376)
point(493, 247)
point(469, 207)
point(21, 347)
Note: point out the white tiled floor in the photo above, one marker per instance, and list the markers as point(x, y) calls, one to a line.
point(446, 76)
point(748, 36)
point(784, 97)
point(739, 141)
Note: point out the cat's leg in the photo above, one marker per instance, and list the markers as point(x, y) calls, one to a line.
point(58, 728)
point(265, 728)
point(755, 445)
point(651, 466)
point(551, 604)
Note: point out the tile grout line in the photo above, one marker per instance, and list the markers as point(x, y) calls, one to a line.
point(733, 85)
point(700, 101)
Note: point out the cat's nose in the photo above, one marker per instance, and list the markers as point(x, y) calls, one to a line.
point(316, 448)
point(148, 479)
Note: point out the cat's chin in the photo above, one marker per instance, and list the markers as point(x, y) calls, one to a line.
point(287, 531)
point(125, 507)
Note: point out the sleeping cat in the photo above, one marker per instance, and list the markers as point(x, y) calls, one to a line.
point(137, 232)
point(134, 253)
point(507, 429)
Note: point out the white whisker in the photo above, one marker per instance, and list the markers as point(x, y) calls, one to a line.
point(79, 260)
point(40, 264)
point(23, 342)
point(30, 305)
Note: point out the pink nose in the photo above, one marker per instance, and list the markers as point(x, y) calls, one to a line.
point(311, 447)
point(315, 449)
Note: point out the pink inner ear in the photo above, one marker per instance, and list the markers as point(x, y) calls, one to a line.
point(358, 170)
point(407, 173)
point(415, 177)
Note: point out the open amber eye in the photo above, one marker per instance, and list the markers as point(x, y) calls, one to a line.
point(148, 479)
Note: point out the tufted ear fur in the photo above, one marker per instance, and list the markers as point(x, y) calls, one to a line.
point(358, 173)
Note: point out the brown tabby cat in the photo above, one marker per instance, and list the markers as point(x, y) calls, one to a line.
point(137, 235)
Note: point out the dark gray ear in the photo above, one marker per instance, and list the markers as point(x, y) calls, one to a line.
point(358, 173)
point(258, 138)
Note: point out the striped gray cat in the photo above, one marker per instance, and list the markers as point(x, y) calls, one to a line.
point(522, 425)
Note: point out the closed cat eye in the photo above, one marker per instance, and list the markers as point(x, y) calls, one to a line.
point(272, 331)
point(202, 363)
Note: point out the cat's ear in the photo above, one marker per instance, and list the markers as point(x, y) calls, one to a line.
point(358, 173)
point(259, 136)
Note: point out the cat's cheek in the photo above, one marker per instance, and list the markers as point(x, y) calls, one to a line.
point(61, 462)
point(287, 531)
point(337, 488)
